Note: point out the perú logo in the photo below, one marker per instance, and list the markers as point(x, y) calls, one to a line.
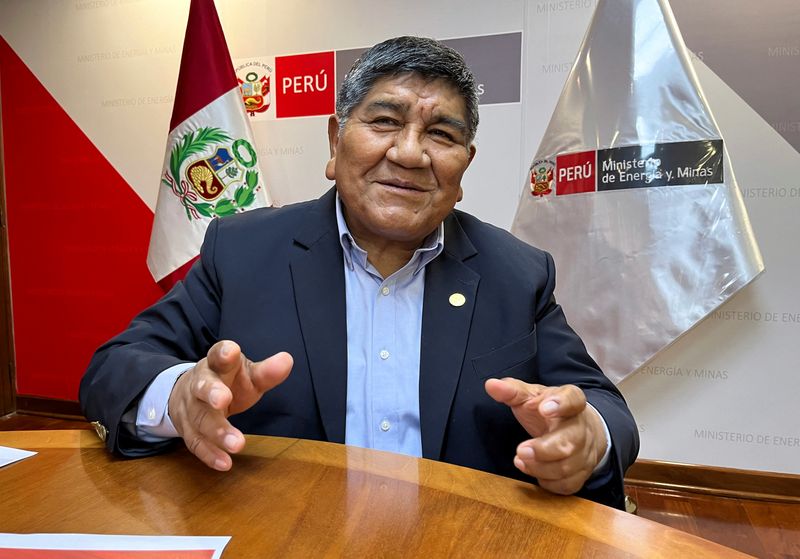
point(254, 83)
point(305, 84)
point(575, 172)
point(211, 174)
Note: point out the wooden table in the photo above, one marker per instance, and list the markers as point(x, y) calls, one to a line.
point(297, 498)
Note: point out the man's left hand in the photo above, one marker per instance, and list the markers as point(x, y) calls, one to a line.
point(568, 436)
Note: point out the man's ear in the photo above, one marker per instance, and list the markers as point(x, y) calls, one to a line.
point(333, 142)
point(472, 150)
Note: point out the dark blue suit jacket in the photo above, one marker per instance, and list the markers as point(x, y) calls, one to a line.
point(272, 280)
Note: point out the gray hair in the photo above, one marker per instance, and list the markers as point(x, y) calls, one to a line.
point(403, 55)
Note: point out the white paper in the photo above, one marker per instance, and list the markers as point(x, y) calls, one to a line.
point(95, 542)
point(11, 455)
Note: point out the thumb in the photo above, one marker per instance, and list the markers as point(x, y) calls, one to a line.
point(523, 399)
point(269, 373)
point(513, 392)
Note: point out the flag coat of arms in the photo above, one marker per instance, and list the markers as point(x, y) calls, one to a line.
point(633, 193)
point(211, 165)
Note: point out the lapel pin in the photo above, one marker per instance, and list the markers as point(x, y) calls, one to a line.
point(457, 300)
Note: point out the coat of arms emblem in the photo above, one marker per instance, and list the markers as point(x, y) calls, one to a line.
point(254, 83)
point(542, 177)
point(205, 166)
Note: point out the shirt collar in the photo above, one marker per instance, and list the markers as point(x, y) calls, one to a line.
point(431, 247)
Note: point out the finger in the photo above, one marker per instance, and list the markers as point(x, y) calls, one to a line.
point(566, 486)
point(226, 360)
point(214, 451)
point(574, 446)
point(211, 426)
point(208, 435)
point(207, 387)
point(543, 468)
point(512, 392)
point(534, 457)
point(196, 391)
point(563, 477)
point(562, 401)
point(267, 374)
point(570, 437)
point(211, 378)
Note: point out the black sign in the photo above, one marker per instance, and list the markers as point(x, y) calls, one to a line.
point(673, 164)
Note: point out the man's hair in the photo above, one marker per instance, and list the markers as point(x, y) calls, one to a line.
point(403, 55)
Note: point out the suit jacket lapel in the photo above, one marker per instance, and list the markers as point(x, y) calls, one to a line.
point(445, 331)
point(318, 279)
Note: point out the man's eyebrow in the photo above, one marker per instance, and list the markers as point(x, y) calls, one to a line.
point(388, 105)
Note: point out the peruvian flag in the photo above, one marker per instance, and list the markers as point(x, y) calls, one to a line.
point(211, 167)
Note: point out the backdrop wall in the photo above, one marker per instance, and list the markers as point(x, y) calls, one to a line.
point(87, 87)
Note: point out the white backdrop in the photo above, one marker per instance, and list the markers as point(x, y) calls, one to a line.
point(723, 395)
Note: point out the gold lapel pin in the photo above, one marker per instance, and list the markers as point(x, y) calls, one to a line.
point(457, 300)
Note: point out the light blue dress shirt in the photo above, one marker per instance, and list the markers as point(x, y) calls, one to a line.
point(384, 328)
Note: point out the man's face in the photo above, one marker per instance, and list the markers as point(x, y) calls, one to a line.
point(399, 160)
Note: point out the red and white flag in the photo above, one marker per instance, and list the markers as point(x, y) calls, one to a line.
point(633, 193)
point(211, 167)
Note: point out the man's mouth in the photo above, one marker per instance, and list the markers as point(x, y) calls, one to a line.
point(401, 184)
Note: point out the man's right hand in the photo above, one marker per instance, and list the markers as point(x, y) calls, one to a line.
point(222, 384)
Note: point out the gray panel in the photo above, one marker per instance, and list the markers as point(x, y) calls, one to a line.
point(344, 61)
point(494, 59)
point(755, 48)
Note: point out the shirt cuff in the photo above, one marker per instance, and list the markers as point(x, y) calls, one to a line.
point(152, 417)
point(602, 466)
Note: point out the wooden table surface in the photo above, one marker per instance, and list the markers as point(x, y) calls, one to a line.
point(298, 498)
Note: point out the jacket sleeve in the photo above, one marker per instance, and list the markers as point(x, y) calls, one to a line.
point(178, 328)
point(563, 359)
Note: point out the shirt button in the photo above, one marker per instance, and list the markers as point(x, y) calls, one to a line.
point(385, 425)
point(151, 414)
point(384, 354)
point(385, 290)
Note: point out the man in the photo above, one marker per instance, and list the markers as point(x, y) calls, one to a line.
point(377, 315)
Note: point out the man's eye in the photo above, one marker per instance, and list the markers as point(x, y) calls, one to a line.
point(442, 134)
point(385, 121)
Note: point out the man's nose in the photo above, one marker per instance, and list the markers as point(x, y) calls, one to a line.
point(408, 149)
